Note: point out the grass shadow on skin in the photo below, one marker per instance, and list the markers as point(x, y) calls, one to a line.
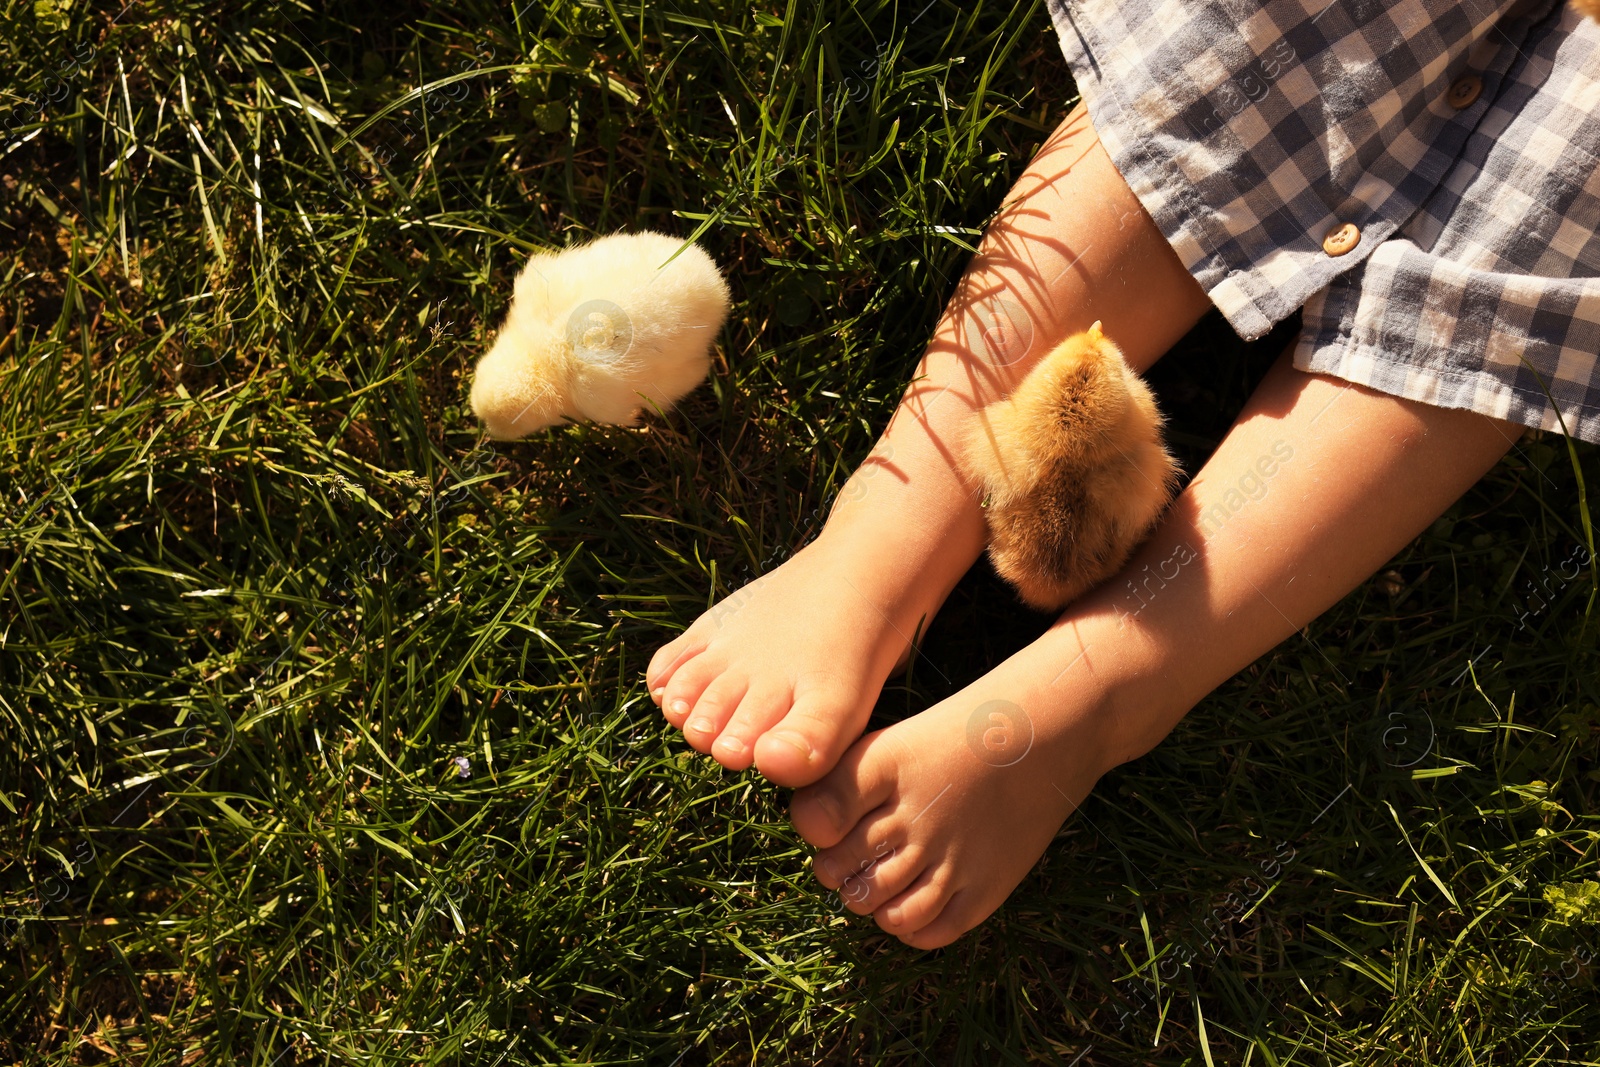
point(264, 588)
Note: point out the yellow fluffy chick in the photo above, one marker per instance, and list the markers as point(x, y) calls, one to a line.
point(599, 332)
point(1073, 468)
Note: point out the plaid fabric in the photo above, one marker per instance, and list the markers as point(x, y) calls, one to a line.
point(1250, 130)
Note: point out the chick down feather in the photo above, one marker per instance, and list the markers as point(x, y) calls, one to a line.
point(1073, 468)
point(599, 332)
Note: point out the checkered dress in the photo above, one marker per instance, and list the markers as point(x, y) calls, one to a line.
point(1419, 175)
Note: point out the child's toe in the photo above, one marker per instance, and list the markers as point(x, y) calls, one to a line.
point(717, 704)
point(948, 925)
point(916, 905)
point(688, 681)
point(824, 813)
point(668, 658)
point(809, 741)
point(763, 706)
point(852, 865)
point(882, 879)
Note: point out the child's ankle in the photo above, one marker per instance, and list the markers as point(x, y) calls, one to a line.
point(1115, 679)
point(897, 523)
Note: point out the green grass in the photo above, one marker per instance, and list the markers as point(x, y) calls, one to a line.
point(261, 583)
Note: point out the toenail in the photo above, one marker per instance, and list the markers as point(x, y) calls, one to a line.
point(794, 741)
point(731, 745)
point(697, 726)
point(655, 694)
point(829, 807)
point(891, 915)
point(679, 707)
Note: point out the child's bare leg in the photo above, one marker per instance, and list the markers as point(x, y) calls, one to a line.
point(785, 672)
point(931, 823)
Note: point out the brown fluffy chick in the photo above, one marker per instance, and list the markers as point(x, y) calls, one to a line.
point(1073, 469)
point(1588, 7)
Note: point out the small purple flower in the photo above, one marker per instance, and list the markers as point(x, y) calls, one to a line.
point(463, 767)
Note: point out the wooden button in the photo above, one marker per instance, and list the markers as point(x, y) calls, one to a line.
point(1341, 239)
point(1465, 91)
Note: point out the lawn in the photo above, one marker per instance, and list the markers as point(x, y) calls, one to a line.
point(323, 737)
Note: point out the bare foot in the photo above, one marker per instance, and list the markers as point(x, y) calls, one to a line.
point(785, 671)
point(929, 825)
